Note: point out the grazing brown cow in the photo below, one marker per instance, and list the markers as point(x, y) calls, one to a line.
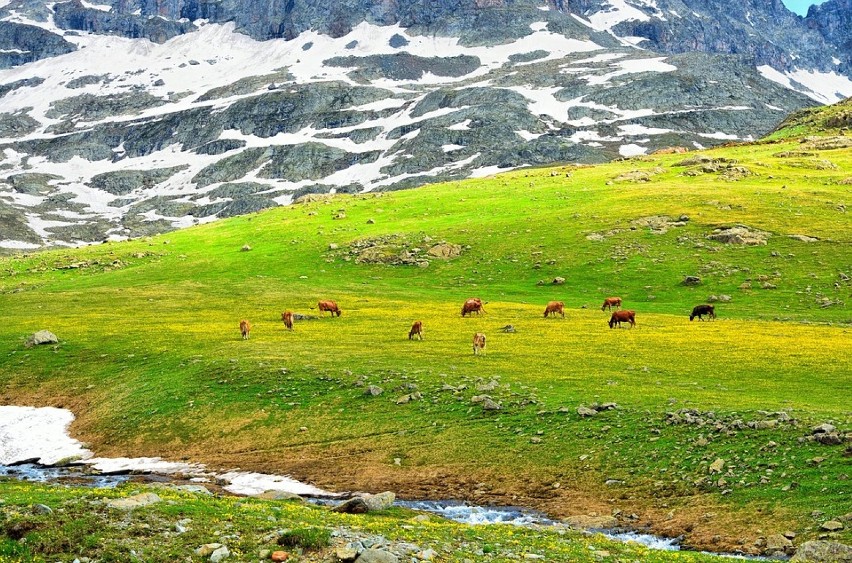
point(329, 306)
point(478, 344)
point(245, 329)
point(287, 317)
point(555, 307)
point(701, 310)
point(611, 302)
point(619, 317)
point(471, 306)
point(416, 330)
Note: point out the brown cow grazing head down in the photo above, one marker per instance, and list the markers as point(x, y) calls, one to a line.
point(611, 302)
point(416, 330)
point(245, 329)
point(471, 306)
point(701, 310)
point(329, 306)
point(478, 344)
point(287, 317)
point(619, 317)
point(554, 308)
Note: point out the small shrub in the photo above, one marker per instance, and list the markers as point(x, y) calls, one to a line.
point(306, 538)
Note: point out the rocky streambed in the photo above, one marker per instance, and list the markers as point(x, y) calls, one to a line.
point(35, 446)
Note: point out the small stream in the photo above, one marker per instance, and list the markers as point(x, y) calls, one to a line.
point(35, 446)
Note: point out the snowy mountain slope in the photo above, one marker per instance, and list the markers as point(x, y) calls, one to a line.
point(122, 136)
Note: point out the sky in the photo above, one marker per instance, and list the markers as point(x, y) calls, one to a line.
point(801, 6)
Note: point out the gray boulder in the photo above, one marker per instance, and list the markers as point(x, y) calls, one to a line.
point(380, 501)
point(824, 552)
point(41, 337)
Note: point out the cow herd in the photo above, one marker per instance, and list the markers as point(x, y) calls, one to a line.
point(474, 305)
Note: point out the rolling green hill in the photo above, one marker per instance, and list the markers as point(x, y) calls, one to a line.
point(152, 363)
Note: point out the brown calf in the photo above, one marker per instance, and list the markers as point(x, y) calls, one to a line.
point(554, 308)
point(329, 306)
point(416, 330)
point(611, 302)
point(287, 317)
point(478, 344)
point(245, 329)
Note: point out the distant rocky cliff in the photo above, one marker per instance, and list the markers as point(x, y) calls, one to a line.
point(138, 116)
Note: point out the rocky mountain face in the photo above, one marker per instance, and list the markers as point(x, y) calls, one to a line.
point(833, 20)
point(141, 116)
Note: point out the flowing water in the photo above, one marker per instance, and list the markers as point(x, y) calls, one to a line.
point(34, 440)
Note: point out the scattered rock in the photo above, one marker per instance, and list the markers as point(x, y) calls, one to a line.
point(42, 509)
point(279, 556)
point(778, 543)
point(346, 553)
point(355, 505)
point(739, 235)
point(333, 246)
point(490, 405)
point(135, 501)
point(691, 280)
point(508, 328)
point(245, 248)
point(823, 552)
point(824, 428)
point(717, 466)
point(207, 549)
point(585, 411)
point(372, 555)
point(558, 281)
point(832, 526)
point(41, 337)
point(373, 390)
point(220, 554)
point(804, 238)
point(445, 251)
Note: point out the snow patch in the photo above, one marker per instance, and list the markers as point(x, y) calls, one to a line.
point(248, 483)
point(37, 433)
point(825, 87)
point(632, 150)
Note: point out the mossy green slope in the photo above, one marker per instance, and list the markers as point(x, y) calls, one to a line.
point(152, 363)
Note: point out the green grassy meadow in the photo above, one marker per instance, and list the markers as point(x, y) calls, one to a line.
point(152, 363)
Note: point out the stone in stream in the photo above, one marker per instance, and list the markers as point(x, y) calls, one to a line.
point(582, 522)
point(380, 501)
point(279, 495)
point(354, 505)
point(40, 338)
